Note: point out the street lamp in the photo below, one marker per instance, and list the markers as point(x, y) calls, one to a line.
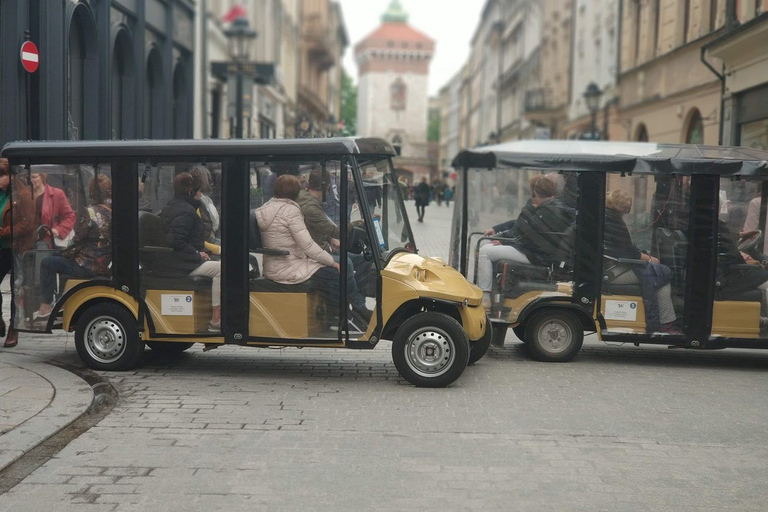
point(239, 36)
point(592, 98)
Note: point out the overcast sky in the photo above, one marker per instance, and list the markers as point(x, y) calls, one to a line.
point(450, 23)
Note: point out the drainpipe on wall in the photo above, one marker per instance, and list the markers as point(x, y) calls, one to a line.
point(204, 71)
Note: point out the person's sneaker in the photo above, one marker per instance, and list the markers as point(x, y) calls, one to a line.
point(363, 313)
point(214, 326)
point(670, 329)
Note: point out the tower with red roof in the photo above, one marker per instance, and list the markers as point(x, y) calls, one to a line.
point(392, 102)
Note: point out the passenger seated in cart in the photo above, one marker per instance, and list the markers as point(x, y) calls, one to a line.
point(282, 226)
point(654, 277)
point(326, 234)
point(186, 236)
point(734, 275)
point(535, 237)
point(90, 253)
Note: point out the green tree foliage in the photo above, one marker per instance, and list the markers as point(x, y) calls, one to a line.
point(348, 105)
point(433, 128)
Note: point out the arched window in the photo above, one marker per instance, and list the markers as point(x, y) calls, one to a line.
point(82, 76)
point(397, 144)
point(181, 122)
point(153, 97)
point(123, 97)
point(694, 133)
point(641, 133)
point(76, 80)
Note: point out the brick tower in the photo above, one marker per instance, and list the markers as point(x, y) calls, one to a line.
point(392, 102)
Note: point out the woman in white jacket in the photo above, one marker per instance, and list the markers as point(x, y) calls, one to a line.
point(282, 227)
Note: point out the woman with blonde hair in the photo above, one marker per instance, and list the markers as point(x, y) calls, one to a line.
point(654, 277)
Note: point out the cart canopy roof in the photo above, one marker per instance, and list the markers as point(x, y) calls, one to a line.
point(629, 157)
point(39, 150)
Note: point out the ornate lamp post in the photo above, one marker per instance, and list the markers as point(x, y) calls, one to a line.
point(592, 98)
point(239, 37)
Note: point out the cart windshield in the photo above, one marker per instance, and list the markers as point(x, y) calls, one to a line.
point(382, 197)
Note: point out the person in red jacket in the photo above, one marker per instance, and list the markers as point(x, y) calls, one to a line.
point(52, 207)
point(23, 232)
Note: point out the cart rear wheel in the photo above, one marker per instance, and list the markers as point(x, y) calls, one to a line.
point(479, 347)
point(430, 350)
point(553, 336)
point(107, 338)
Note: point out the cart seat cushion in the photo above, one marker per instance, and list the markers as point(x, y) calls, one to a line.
point(262, 284)
point(744, 296)
point(185, 283)
point(623, 289)
point(522, 270)
point(520, 288)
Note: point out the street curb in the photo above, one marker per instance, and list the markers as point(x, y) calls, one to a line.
point(72, 398)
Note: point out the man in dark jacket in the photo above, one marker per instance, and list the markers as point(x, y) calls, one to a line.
point(537, 234)
point(326, 234)
point(186, 238)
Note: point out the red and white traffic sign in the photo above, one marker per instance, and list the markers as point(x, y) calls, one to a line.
point(30, 56)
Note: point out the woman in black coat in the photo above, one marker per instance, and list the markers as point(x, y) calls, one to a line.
point(186, 236)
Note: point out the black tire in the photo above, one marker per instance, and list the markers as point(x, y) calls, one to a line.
point(430, 350)
point(553, 336)
point(168, 348)
point(478, 348)
point(519, 332)
point(107, 338)
point(499, 335)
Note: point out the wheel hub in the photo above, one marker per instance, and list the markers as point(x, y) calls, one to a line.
point(429, 352)
point(555, 336)
point(105, 340)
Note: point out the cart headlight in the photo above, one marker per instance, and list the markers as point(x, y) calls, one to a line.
point(420, 274)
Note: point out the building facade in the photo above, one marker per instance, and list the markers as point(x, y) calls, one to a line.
point(323, 41)
point(667, 93)
point(742, 55)
point(595, 59)
point(269, 108)
point(393, 68)
point(108, 69)
point(547, 106)
point(450, 136)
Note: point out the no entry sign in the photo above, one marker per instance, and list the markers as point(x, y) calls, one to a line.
point(30, 57)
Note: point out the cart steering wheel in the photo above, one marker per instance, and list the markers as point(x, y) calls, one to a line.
point(748, 243)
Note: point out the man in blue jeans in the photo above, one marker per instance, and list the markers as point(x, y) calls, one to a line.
point(326, 234)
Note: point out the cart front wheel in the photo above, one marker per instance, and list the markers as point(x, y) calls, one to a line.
point(107, 338)
point(553, 336)
point(430, 350)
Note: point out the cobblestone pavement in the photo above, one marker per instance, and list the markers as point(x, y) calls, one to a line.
point(618, 429)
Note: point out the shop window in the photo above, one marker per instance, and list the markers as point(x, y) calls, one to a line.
point(695, 131)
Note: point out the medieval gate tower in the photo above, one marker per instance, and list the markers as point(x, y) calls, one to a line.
point(393, 63)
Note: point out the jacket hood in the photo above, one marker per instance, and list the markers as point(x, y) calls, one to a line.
point(271, 209)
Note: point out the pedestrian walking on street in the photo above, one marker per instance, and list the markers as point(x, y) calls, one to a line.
point(421, 196)
point(448, 195)
point(23, 230)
